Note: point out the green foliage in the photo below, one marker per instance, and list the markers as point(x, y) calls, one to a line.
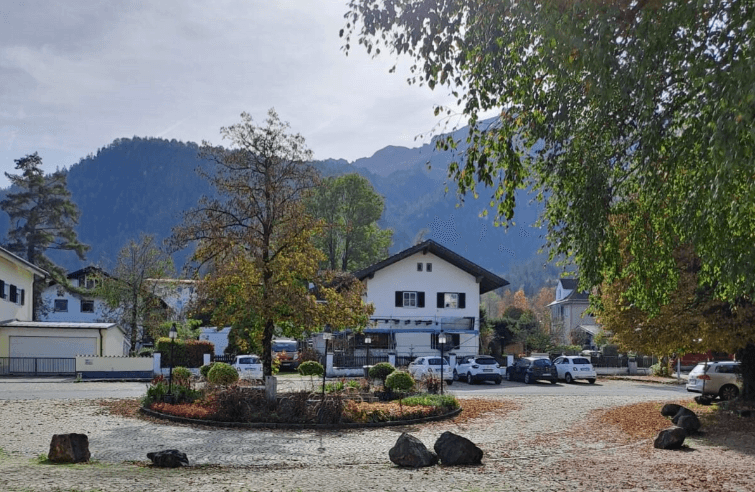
point(381, 370)
point(610, 350)
point(189, 329)
point(181, 376)
point(157, 388)
point(204, 370)
point(350, 208)
point(399, 381)
point(187, 353)
point(222, 374)
point(445, 401)
point(310, 368)
point(335, 387)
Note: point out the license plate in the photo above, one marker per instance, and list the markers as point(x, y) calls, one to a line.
point(584, 369)
point(487, 370)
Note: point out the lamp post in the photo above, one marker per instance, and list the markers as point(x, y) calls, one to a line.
point(442, 343)
point(326, 335)
point(367, 342)
point(173, 334)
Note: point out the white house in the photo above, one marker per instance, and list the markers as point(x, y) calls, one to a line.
point(568, 316)
point(421, 292)
point(63, 305)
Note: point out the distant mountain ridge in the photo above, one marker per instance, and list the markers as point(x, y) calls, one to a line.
point(137, 185)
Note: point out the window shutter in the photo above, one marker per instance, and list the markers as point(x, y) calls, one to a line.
point(399, 298)
point(441, 297)
point(2, 289)
point(462, 300)
point(420, 299)
point(22, 297)
point(13, 294)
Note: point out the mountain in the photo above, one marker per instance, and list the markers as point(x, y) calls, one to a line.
point(142, 185)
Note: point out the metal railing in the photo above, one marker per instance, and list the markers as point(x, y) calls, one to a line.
point(350, 361)
point(37, 366)
point(622, 361)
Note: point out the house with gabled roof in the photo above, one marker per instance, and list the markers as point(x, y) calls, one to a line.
point(423, 291)
point(569, 318)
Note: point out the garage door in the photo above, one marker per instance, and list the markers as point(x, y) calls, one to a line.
point(52, 346)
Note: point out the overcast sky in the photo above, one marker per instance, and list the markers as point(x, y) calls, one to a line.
point(77, 74)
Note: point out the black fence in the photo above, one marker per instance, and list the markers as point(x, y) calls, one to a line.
point(37, 366)
point(228, 359)
point(623, 361)
point(345, 360)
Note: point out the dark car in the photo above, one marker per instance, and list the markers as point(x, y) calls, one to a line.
point(530, 369)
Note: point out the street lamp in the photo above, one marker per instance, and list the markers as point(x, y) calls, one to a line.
point(173, 334)
point(326, 335)
point(442, 343)
point(367, 342)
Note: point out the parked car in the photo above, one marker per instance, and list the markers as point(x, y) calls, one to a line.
point(530, 369)
point(474, 368)
point(430, 366)
point(248, 366)
point(722, 379)
point(570, 368)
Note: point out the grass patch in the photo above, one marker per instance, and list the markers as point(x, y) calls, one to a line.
point(444, 401)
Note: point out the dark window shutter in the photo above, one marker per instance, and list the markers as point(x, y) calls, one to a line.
point(2, 289)
point(420, 299)
point(22, 297)
point(441, 298)
point(13, 294)
point(462, 300)
point(399, 299)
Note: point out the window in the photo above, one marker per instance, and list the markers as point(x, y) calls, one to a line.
point(87, 306)
point(61, 305)
point(419, 267)
point(410, 299)
point(452, 341)
point(451, 300)
point(429, 267)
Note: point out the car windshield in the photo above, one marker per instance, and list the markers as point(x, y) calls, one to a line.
point(248, 360)
point(436, 361)
point(284, 346)
point(580, 360)
point(486, 361)
point(542, 362)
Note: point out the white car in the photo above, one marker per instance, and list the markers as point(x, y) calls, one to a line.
point(722, 379)
point(571, 367)
point(475, 368)
point(430, 366)
point(248, 366)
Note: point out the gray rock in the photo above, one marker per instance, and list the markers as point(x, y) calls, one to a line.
point(686, 419)
point(69, 448)
point(456, 450)
point(411, 452)
point(671, 438)
point(670, 409)
point(168, 458)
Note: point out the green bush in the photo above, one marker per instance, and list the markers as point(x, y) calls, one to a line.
point(442, 401)
point(186, 353)
point(399, 381)
point(222, 374)
point(311, 368)
point(204, 370)
point(381, 371)
point(610, 350)
point(181, 376)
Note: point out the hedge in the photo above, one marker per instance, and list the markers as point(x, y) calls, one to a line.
point(186, 353)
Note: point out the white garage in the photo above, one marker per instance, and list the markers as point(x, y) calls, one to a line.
point(31, 346)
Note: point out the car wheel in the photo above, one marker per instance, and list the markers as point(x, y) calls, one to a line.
point(456, 375)
point(591, 380)
point(527, 379)
point(568, 378)
point(470, 379)
point(450, 382)
point(554, 380)
point(508, 376)
point(498, 381)
point(728, 392)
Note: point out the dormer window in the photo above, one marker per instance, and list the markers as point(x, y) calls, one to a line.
point(419, 266)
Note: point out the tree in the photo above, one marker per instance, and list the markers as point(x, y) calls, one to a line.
point(258, 240)
point(641, 108)
point(350, 209)
point(42, 217)
point(129, 291)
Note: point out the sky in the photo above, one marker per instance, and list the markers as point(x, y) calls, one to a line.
point(77, 74)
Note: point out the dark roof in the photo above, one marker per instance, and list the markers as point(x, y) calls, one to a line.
point(569, 283)
point(87, 270)
point(488, 280)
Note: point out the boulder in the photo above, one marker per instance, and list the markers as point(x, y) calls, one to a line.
point(670, 409)
point(671, 438)
point(457, 450)
point(687, 420)
point(69, 448)
point(168, 458)
point(411, 452)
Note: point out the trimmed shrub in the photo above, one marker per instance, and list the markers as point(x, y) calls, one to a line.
point(399, 381)
point(381, 371)
point(181, 376)
point(310, 368)
point(222, 374)
point(186, 353)
point(204, 370)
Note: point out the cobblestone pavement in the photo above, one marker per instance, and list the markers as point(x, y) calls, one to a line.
point(521, 447)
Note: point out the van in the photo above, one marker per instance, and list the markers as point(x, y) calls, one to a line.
point(287, 352)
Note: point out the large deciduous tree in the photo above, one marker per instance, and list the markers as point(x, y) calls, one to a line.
point(42, 218)
point(639, 108)
point(350, 208)
point(257, 239)
point(131, 292)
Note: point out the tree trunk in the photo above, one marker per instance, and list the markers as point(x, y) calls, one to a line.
point(746, 356)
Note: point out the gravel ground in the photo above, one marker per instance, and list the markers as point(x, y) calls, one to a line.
point(531, 444)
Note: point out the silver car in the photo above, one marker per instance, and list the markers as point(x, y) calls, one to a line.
point(722, 379)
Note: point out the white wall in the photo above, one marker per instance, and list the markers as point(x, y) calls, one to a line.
point(12, 273)
point(101, 312)
point(218, 338)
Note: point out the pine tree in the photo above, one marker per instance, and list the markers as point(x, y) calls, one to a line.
point(42, 217)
